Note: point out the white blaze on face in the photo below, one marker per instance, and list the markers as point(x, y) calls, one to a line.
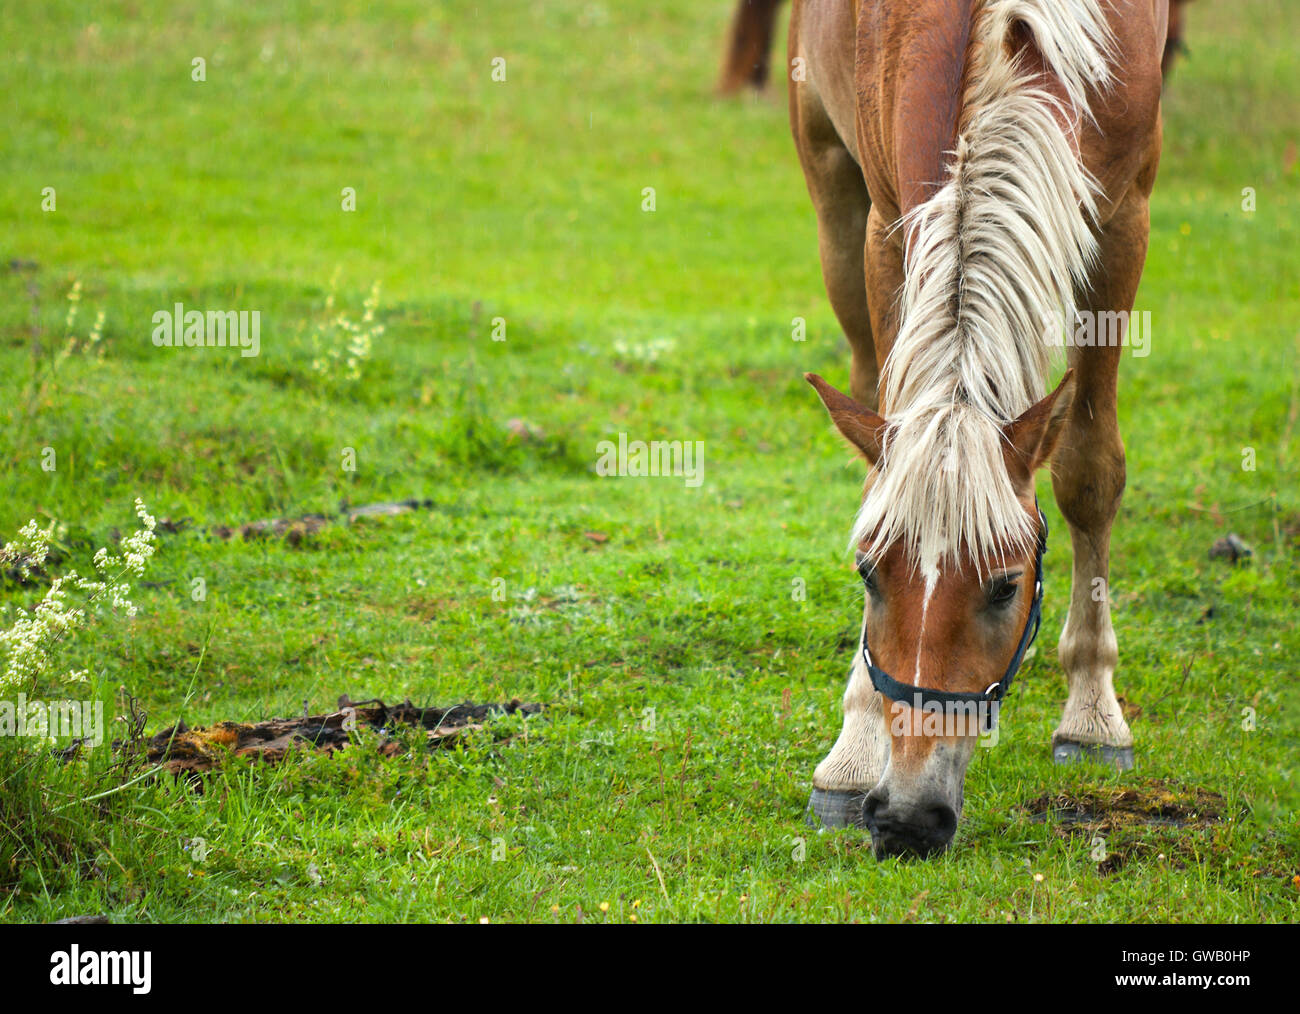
point(931, 572)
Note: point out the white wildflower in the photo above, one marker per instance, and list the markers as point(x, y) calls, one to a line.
point(74, 298)
point(343, 342)
point(27, 648)
point(93, 341)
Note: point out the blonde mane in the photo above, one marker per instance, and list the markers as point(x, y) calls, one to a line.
point(997, 251)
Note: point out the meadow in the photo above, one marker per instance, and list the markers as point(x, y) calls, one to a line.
point(510, 301)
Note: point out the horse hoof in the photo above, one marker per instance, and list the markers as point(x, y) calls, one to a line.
point(1065, 752)
point(837, 808)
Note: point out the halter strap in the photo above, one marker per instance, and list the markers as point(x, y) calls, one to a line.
point(995, 692)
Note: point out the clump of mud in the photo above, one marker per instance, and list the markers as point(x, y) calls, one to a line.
point(1133, 821)
point(1151, 804)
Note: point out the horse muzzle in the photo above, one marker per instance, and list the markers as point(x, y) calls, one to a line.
point(921, 827)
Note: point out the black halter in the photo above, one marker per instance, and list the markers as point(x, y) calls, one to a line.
point(994, 693)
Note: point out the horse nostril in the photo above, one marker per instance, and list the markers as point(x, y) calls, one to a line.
point(940, 820)
point(875, 805)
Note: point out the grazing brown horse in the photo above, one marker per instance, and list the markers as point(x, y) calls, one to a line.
point(980, 171)
point(1174, 43)
point(749, 48)
point(753, 26)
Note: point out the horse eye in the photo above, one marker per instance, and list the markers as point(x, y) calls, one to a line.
point(1002, 593)
point(868, 571)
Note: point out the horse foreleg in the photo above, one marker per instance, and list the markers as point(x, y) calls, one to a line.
point(1088, 473)
point(857, 760)
point(855, 253)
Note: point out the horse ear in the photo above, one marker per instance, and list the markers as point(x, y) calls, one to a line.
point(1031, 439)
point(861, 427)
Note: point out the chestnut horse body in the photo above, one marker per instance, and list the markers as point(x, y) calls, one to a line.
point(980, 170)
point(753, 26)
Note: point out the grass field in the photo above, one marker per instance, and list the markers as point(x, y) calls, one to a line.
point(689, 694)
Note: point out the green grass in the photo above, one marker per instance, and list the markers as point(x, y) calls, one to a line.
point(522, 199)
